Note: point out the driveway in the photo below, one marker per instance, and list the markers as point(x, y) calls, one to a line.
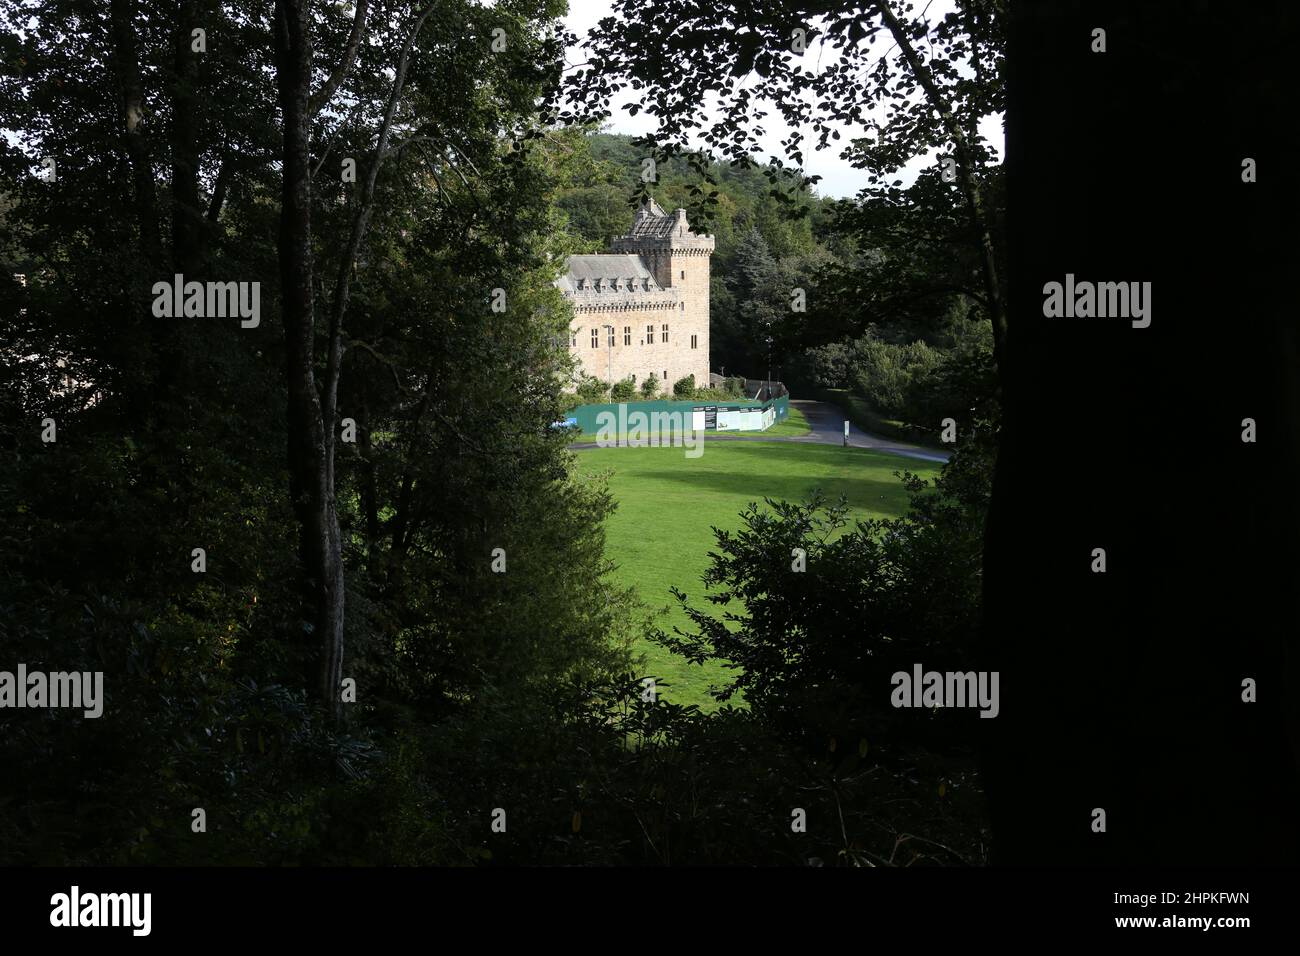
point(827, 423)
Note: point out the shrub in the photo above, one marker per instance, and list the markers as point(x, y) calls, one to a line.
point(591, 390)
point(832, 365)
point(959, 383)
point(811, 651)
point(886, 373)
point(650, 387)
point(684, 387)
point(624, 390)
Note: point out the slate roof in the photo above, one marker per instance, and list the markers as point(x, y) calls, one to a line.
point(652, 222)
point(624, 269)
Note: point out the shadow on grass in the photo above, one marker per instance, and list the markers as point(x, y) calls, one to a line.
point(876, 494)
point(780, 472)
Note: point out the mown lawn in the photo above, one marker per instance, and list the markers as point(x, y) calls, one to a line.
point(661, 534)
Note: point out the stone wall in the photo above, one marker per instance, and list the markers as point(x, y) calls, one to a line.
point(632, 352)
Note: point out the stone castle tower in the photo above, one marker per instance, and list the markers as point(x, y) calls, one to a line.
point(643, 310)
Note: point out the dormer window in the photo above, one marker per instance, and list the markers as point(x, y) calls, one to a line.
point(582, 283)
point(597, 285)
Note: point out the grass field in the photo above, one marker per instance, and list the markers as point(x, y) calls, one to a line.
point(794, 424)
point(667, 504)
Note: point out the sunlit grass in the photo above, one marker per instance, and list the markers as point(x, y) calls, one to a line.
point(661, 535)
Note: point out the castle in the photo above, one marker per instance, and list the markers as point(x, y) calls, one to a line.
point(643, 310)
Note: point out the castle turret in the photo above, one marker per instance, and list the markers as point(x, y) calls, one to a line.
point(679, 259)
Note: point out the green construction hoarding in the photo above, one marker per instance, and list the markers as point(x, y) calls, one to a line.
point(725, 416)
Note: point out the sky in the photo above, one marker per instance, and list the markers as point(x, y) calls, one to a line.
point(839, 179)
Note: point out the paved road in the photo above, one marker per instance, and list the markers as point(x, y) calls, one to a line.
point(827, 424)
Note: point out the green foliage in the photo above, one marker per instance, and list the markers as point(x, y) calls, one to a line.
point(813, 650)
point(916, 383)
point(591, 390)
point(172, 436)
point(722, 482)
point(624, 390)
point(684, 387)
point(887, 373)
point(599, 775)
point(476, 688)
point(649, 388)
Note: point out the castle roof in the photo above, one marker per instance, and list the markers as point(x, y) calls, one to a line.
point(628, 271)
point(625, 273)
point(651, 222)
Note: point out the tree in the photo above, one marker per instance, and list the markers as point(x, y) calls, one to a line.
point(754, 283)
point(386, 121)
point(813, 650)
point(176, 429)
point(623, 390)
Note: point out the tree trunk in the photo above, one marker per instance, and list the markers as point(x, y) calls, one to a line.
point(149, 335)
point(311, 458)
point(122, 14)
point(187, 211)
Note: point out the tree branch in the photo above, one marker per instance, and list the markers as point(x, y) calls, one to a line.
point(345, 66)
point(359, 226)
point(966, 173)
